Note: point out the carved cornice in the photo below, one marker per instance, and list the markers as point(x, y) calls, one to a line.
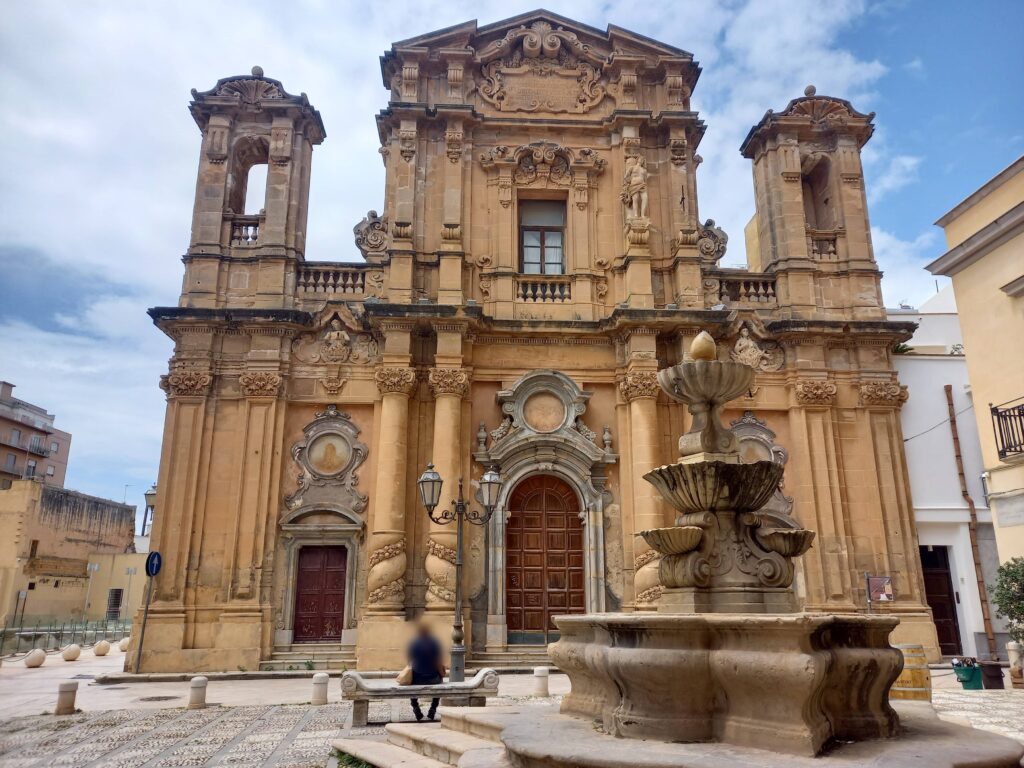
point(639, 384)
point(400, 380)
point(448, 381)
point(890, 393)
point(260, 383)
point(815, 392)
point(186, 383)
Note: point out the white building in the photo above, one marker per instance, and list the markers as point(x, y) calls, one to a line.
point(936, 359)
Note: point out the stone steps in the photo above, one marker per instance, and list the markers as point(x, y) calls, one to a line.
point(320, 656)
point(437, 742)
point(384, 755)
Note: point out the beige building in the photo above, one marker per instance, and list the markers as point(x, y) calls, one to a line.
point(30, 446)
point(985, 237)
point(64, 555)
point(538, 256)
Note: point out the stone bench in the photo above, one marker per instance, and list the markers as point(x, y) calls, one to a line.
point(361, 691)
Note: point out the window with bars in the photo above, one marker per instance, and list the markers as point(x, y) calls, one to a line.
point(114, 597)
point(542, 237)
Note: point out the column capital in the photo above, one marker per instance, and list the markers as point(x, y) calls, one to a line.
point(449, 381)
point(639, 384)
point(815, 391)
point(186, 383)
point(397, 380)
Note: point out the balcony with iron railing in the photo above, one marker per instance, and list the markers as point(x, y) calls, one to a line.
point(1008, 424)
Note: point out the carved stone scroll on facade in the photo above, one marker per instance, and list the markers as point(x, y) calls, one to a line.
point(260, 383)
point(639, 384)
point(385, 581)
point(711, 242)
point(371, 234)
point(541, 69)
point(401, 380)
point(328, 456)
point(889, 393)
point(448, 381)
point(186, 383)
point(440, 568)
point(815, 392)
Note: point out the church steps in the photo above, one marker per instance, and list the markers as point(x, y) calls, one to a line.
point(384, 755)
point(435, 741)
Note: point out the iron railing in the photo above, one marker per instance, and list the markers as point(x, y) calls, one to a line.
point(19, 637)
point(1008, 424)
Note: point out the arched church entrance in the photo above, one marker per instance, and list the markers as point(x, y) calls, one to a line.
point(544, 574)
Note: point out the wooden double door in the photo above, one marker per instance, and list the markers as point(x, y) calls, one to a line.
point(320, 594)
point(544, 574)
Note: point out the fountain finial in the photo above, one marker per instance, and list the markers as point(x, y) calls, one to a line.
point(703, 347)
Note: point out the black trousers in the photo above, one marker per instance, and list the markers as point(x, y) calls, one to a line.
point(433, 679)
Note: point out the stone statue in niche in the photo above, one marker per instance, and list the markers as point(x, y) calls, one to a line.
point(339, 342)
point(634, 188)
point(749, 352)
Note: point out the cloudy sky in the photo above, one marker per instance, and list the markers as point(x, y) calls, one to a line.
point(100, 153)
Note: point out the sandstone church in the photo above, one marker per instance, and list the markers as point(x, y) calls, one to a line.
point(538, 256)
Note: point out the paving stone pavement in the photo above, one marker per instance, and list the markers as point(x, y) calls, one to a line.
point(998, 711)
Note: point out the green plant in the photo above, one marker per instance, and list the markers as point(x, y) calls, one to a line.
point(242, 669)
point(1008, 595)
point(344, 758)
point(900, 348)
point(308, 663)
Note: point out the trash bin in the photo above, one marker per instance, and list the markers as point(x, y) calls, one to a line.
point(969, 677)
point(992, 675)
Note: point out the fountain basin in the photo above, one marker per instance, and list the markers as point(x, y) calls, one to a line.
point(791, 683)
point(673, 541)
point(716, 485)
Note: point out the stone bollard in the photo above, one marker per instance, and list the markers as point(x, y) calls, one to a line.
point(540, 682)
point(66, 693)
point(197, 693)
point(125, 644)
point(35, 658)
point(72, 652)
point(320, 682)
point(102, 648)
point(1015, 651)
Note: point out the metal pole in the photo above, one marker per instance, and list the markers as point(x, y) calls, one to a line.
point(458, 671)
point(867, 589)
point(142, 630)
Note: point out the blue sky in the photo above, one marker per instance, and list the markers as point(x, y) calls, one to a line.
point(96, 198)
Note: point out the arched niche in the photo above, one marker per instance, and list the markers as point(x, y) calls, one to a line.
point(543, 433)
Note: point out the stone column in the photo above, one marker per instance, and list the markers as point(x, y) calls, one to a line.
point(385, 582)
point(449, 386)
point(640, 388)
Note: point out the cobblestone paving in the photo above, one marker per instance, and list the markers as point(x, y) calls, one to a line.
point(999, 711)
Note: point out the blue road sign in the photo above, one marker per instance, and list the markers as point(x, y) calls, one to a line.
point(153, 564)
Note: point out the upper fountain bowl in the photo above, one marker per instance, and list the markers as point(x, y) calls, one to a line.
point(706, 381)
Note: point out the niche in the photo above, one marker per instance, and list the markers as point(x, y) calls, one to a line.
point(818, 194)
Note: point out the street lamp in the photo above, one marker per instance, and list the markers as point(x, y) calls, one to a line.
point(430, 484)
point(150, 508)
point(91, 568)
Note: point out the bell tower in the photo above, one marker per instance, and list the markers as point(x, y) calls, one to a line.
point(812, 219)
point(242, 252)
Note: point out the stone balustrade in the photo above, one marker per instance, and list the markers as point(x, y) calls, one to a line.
point(821, 244)
point(544, 289)
point(334, 279)
point(245, 230)
point(740, 289)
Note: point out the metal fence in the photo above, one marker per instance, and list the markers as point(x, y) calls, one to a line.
point(51, 635)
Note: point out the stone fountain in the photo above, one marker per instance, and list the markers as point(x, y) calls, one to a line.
point(727, 673)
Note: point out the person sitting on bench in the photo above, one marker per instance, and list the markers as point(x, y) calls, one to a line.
point(427, 667)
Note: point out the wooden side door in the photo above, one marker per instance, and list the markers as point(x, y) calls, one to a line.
point(320, 594)
point(941, 597)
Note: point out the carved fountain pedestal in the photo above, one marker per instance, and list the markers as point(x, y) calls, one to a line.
point(727, 658)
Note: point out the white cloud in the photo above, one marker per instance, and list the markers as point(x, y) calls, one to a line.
point(905, 280)
point(102, 179)
point(899, 171)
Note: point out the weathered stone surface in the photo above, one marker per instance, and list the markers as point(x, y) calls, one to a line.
point(789, 683)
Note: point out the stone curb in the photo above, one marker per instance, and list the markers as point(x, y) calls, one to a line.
point(177, 677)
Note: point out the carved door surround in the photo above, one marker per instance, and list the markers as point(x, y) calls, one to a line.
point(543, 433)
point(325, 510)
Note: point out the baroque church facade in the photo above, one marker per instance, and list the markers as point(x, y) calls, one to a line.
point(538, 257)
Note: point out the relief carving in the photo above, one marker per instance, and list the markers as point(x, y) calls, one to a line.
point(815, 392)
point(883, 393)
point(541, 69)
point(711, 242)
point(328, 456)
point(440, 568)
point(260, 383)
point(385, 581)
point(448, 381)
point(186, 383)
point(749, 352)
point(337, 343)
point(389, 380)
point(371, 234)
point(638, 384)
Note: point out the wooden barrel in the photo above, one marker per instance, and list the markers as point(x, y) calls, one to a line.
point(915, 681)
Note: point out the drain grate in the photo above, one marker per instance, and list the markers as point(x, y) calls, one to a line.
point(83, 677)
point(159, 698)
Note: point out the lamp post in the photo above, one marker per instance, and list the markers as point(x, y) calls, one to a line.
point(150, 508)
point(430, 483)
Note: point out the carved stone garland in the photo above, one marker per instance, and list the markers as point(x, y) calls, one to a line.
point(385, 581)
